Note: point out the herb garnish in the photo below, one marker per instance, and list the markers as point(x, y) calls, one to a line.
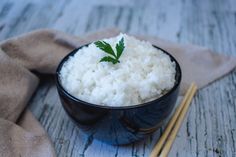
point(113, 57)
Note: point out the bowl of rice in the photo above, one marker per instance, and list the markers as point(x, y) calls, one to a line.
point(118, 101)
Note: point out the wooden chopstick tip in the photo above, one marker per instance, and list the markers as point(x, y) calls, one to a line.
point(161, 144)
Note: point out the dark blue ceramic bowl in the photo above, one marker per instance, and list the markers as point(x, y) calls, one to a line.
point(119, 125)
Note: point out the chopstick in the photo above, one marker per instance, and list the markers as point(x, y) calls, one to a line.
point(174, 124)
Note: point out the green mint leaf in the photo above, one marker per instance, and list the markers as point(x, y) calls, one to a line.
point(120, 48)
point(108, 59)
point(105, 47)
point(114, 58)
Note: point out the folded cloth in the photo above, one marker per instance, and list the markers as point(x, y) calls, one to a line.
point(41, 51)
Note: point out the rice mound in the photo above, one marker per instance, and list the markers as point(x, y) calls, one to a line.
point(143, 74)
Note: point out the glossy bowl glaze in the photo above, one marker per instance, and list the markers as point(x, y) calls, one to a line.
point(119, 125)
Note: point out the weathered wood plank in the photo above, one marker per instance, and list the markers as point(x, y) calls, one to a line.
point(28, 15)
point(209, 130)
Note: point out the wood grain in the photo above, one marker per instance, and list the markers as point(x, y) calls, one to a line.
point(210, 127)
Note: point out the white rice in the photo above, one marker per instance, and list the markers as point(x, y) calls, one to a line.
point(144, 73)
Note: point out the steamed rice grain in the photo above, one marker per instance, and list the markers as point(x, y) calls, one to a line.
point(144, 73)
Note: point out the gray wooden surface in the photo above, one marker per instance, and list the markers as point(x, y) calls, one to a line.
point(210, 126)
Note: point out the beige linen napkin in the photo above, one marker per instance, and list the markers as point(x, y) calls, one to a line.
point(41, 51)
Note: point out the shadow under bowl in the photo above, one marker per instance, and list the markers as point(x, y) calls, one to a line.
point(123, 124)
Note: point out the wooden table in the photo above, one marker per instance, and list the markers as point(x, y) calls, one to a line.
point(210, 127)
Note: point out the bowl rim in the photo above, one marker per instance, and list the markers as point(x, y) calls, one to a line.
point(70, 96)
